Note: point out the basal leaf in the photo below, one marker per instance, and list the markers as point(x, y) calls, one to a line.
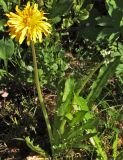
point(2, 23)
point(80, 102)
point(104, 21)
point(68, 90)
point(89, 7)
point(6, 49)
point(77, 118)
point(4, 5)
point(2, 73)
point(59, 8)
point(65, 107)
point(83, 14)
point(35, 148)
point(90, 124)
point(110, 5)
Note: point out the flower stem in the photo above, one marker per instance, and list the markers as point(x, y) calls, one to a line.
point(43, 107)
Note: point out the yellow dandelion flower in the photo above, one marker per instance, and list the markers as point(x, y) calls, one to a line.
point(29, 23)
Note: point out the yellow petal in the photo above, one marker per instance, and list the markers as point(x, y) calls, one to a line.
point(23, 34)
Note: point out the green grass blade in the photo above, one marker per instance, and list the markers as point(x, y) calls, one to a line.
point(115, 143)
point(85, 80)
point(106, 71)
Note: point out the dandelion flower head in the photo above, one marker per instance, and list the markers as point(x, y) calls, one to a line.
point(29, 23)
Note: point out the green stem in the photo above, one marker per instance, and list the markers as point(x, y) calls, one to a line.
point(43, 107)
